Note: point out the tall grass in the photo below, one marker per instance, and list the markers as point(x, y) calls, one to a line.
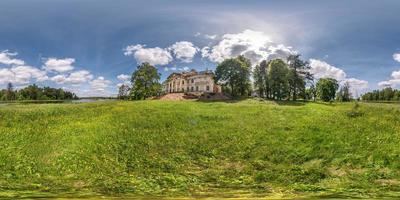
point(194, 148)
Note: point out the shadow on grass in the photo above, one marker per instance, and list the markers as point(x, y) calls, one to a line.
point(290, 103)
point(220, 100)
point(237, 100)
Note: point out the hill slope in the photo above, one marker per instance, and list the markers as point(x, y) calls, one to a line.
point(196, 148)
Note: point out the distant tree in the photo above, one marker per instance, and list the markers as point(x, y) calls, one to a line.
point(260, 76)
point(313, 90)
point(386, 94)
point(34, 92)
point(326, 89)
point(298, 76)
point(244, 78)
point(123, 92)
point(344, 93)
point(234, 73)
point(10, 93)
point(145, 82)
point(278, 79)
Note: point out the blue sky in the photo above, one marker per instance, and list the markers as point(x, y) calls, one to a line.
point(84, 46)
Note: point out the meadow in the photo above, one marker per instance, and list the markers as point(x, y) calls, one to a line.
point(249, 148)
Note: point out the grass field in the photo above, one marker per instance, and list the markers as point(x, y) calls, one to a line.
point(187, 148)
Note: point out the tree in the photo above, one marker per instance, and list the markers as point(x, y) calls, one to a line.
point(145, 82)
point(297, 76)
point(312, 90)
point(260, 76)
point(34, 92)
point(244, 76)
point(386, 94)
point(344, 93)
point(10, 93)
point(234, 73)
point(278, 79)
point(123, 92)
point(326, 89)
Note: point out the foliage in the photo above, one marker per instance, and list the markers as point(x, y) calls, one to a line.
point(123, 92)
point(344, 93)
point(145, 82)
point(261, 81)
point(298, 75)
point(326, 89)
point(278, 79)
point(234, 75)
point(34, 92)
point(282, 80)
point(192, 148)
point(387, 94)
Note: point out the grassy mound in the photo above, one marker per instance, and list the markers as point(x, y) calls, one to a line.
point(200, 148)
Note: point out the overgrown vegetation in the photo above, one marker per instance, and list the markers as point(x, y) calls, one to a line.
point(386, 94)
point(34, 92)
point(195, 148)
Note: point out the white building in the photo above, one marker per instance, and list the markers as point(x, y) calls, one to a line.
point(191, 82)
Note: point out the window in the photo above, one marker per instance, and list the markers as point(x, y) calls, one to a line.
point(191, 89)
point(197, 88)
point(183, 90)
point(192, 80)
point(208, 88)
point(187, 89)
point(183, 82)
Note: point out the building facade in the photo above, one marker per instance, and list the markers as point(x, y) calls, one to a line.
point(191, 82)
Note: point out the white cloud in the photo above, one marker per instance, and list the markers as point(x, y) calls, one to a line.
point(211, 37)
point(384, 84)
point(6, 58)
point(321, 69)
point(396, 57)
point(154, 56)
point(393, 82)
point(21, 75)
point(100, 84)
point(74, 78)
point(207, 36)
point(123, 77)
point(254, 45)
point(396, 74)
point(357, 86)
point(176, 69)
point(59, 65)
point(184, 51)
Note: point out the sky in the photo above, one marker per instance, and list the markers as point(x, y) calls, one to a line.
point(91, 46)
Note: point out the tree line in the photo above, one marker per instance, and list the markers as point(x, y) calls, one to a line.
point(386, 94)
point(34, 92)
point(275, 79)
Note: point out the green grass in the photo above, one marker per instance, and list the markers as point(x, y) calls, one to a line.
point(187, 148)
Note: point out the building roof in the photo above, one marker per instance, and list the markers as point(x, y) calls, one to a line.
point(192, 72)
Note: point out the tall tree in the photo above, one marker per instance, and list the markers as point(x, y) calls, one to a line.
point(344, 93)
point(260, 76)
point(234, 73)
point(298, 75)
point(123, 91)
point(278, 79)
point(386, 94)
point(10, 93)
point(326, 89)
point(244, 76)
point(145, 82)
point(259, 80)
